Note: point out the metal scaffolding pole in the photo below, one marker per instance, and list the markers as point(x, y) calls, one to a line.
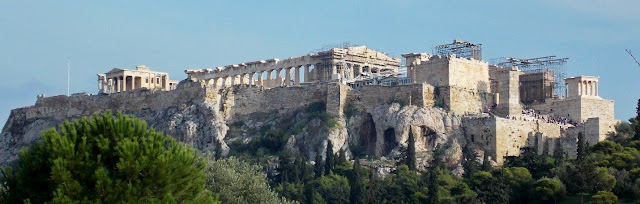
point(551, 64)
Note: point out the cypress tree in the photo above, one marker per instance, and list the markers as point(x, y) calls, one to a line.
point(486, 164)
point(637, 127)
point(329, 161)
point(558, 154)
point(411, 151)
point(357, 186)
point(218, 151)
point(581, 146)
point(318, 168)
point(342, 157)
point(469, 161)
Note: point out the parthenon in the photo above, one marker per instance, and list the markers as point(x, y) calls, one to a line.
point(334, 64)
point(119, 80)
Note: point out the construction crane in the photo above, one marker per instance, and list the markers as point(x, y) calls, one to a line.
point(634, 58)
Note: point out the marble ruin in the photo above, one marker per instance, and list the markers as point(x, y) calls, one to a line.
point(337, 64)
point(502, 108)
point(119, 80)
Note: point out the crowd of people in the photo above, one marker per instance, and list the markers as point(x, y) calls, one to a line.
point(546, 118)
point(530, 113)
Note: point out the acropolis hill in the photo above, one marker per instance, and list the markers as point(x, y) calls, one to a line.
point(449, 99)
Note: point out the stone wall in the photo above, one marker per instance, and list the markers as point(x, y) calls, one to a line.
point(247, 99)
point(461, 100)
point(64, 107)
point(441, 71)
point(509, 94)
point(421, 95)
point(501, 137)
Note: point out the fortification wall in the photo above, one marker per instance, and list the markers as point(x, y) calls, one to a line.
point(501, 137)
point(248, 99)
point(514, 134)
point(596, 107)
point(66, 107)
point(469, 74)
point(481, 131)
point(461, 100)
point(421, 95)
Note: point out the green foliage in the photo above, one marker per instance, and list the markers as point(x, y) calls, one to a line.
point(609, 154)
point(637, 127)
point(329, 160)
point(402, 103)
point(333, 188)
point(400, 186)
point(106, 160)
point(490, 189)
point(316, 107)
point(235, 181)
point(582, 147)
point(357, 184)
point(604, 197)
point(538, 165)
point(350, 109)
point(318, 167)
point(470, 162)
point(486, 164)
point(583, 177)
point(547, 189)
point(442, 187)
point(411, 151)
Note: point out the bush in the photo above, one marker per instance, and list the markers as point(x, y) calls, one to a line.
point(235, 181)
point(106, 160)
point(604, 197)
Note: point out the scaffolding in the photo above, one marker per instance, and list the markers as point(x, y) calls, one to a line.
point(551, 64)
point(461, 49)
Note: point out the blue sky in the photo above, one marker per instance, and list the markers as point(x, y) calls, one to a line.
point(37, 37)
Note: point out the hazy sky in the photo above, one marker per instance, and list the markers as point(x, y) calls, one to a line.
point(37, 38)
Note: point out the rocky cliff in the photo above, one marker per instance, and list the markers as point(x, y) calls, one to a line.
point(201, 117)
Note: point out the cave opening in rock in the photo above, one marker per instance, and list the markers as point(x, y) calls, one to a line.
point(367, 137)
point(429, 134)
point(389, 141)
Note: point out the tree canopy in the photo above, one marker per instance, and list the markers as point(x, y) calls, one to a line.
point(106, 159)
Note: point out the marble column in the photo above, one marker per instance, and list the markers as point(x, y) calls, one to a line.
point(296, 75)
point(278, 77)
point(287, 76)
point(124, 83)
point(133, 82)
point(269, 80)
point(306, 73)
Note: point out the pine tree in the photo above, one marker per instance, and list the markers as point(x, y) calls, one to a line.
point(107, 160)
point(357, 184)
point(411, 151)
point(329, 161)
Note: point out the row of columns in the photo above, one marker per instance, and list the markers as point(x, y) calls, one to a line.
point(311, 73)
point(248, 78)
point(119, 83)
point(588, 88)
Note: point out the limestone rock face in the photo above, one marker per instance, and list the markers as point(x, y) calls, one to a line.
point(197, 124)
point(379, 132)
point(384, 130)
